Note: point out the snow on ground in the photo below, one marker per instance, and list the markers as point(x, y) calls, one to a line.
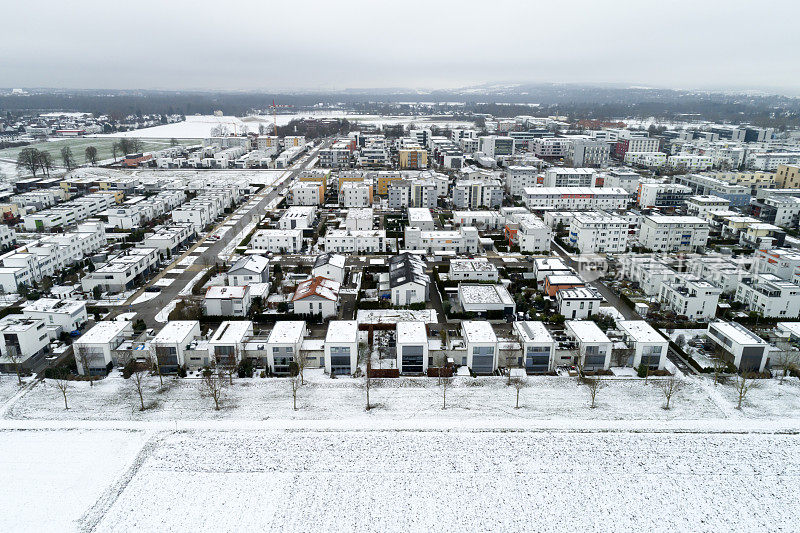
point(164, 282)
point(460, 481)
point(187, 290)
point(145, 297)
point(50, 478)
point(188, 260)
point(323, 398)
point(127, 317)
point(163, 315)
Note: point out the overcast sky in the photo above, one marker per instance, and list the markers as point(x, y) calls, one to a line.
point(268, 44)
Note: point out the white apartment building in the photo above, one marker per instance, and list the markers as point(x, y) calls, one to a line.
point(412, 347)
point(671, 234)
point(690, 296)
point(248, 270)
point(341, 347)
point(122, 272)
point(594, 347)
point(227, 300)
point(464, 240)
point(23, 341)
point(482, 349)
point(578, 303)
point(746, 350)
point(479, 219)
point(226, 346)
point(97, 345)
point(355, 194)
point(538, 347)
point(646, 159)
point(318, 296)
point(569, 177)
point(770, 296)
point(518, 178)
point(529, 232)
point(576, 198)
point(550, 147)
point(779, 262)
point(420, 217)
point(307, 193)
point(598, 232)
point(170, 347)
point(278, 240)
point(359, 219)
point(344, 241)
point(472, 194)
point(58, 315)
point(649, 346)
point(329, 266)
point(479, 269)
point(298, 217)
point(586, 151)
point(284, 344)
point(169, 239)
point(691, 162)
point(701, 205)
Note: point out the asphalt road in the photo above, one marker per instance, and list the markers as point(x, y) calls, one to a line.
point(148, 310)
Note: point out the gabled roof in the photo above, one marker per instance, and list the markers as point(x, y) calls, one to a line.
point(328, 258)
point(318, 286)
point(405, 268)
point(252, 263)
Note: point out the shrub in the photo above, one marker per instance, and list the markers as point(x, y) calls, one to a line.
point(245, 369)
point(642, 370)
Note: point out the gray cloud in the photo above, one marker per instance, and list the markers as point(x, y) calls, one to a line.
point(249, 45)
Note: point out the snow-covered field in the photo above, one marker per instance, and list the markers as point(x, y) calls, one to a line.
point(406, 465)
point(460, 481)
point(342, 399)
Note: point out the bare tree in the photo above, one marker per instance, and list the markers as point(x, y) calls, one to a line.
point(519, 383)
point(90, 155)
point(786, 358)
point(213, 385)
point(28, 159)
point(294, 383)
point(114, 149)
point(16, 358)
point(742, 386)
point(444, 382)
point(67, 158)
point(670, 387)
point(46, 162)
point(301, 358)
point(61, 382)
point(719, 364)
point(621, 356)
point(84, 357)
point(594, 384)
point(139, 371)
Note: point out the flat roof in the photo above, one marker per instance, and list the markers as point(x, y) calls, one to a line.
point(411, 333)
point(418, 214)
point(484, 294)
point(586, 331)
point(176, 331)
point(478, 331)
point(232, 331)
point(641, 331)
point(737, 333)
point(533, 331)
point(54, 305)
point(344, 331)
point(480, 264)
point(666, 219)
point(103, 332)
point(286, 332)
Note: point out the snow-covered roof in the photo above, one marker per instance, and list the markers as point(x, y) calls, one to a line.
point(478, 331)
point(480, 264)
point(640, 331)
point(342, 331)
point(411, 333)
point(54, 305)
point(737, 333)
point(419, 214)
point(232, 331)
point(362, 213)
point(104, 332)
point(586, 331)
point(317, 286)
point(330, 259)
point(395, 316)
point(566, 279)
point(579, 293)
point(532, 331)
point(252, 263)
point(225, 292)
point(484, 294)
point(176, 331)
point(666, 219)
point(286, 332)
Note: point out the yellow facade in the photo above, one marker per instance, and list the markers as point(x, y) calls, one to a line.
point(788, 176)
point(413, 158)
point(118, 195)
point(351, 179)
point(322, 177)
point(383, 183)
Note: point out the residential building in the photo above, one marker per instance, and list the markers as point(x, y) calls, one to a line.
point(227, 300)
point(416, 193)
point(588, 152)
point(528, 232)
point(484, 220)
point(359, 219)
point(770, 296)
point(598, 232)
point(408, 281)
point(690, 296)
point(576, 198)
point(341, 347)
point(226, 345)
point(284, 344)
point(744, 349)
point(481, 344)
point(248, 270)
point(58, 315)
point(558, 282)
point(464, 240)
point(788, 176)
point(646, 159)
point(635, 144)
point(594, 347)
point(701, 205)
point(538, 347)
point(550, 147)
point(673, 233)
point(278, 240)
point(170, 346)
point(479, 269)
point(649, 346)
point(307, 193)
point(343, 241)
point(518, 178)
point(298, 217)
point(484, 298)
point(317, 296)
point(739, 195)
point(412, 347)
point(420, 217)
point(578, 303)
point(412, 157)
point(550, 266)
point(355, 194)
point(472, 194)
point(495, 146)
point(97, 346)
point(663, 195)
point(569, 177)
point(330, 266)
point(24, 342)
